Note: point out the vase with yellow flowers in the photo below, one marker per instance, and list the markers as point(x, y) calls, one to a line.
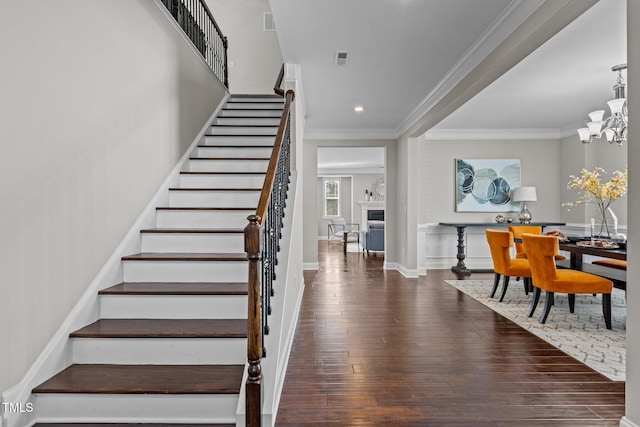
point(592, 189)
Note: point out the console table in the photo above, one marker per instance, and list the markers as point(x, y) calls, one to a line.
point(461, 227)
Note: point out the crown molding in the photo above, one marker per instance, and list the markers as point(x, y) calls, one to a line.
point(514, 15)
point(489, 134)
point(350, 134)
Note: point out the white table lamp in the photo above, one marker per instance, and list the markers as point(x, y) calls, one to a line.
point(524, 195)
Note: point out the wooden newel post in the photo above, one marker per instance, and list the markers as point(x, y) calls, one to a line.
point(254, 347)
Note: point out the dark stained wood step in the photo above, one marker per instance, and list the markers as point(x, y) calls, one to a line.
point(164, 328)
point(252, 109)
point(145, 379)
point(175, 288)
point(128, 425)
point(193, 230)
point(197, 208)
point(222, 173)
point(188, 256)
point(243, 135)
point(231, 158)
point(245, 126)
point(232, 145)
point(214, 189)
point(259, 95)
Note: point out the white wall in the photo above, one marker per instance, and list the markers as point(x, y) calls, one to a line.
point(633, 293)
point(99, 101)
point(255, 53)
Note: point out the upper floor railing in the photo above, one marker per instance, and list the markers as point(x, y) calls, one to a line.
point(262, 243)
point(195, 18)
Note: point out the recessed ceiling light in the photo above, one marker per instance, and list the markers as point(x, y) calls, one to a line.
point(358, 108)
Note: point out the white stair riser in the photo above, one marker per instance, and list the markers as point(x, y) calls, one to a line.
point(240, 140)
point(192, 242)
point(232, 130)
point(248, 121)
point(173, 306)
point(202, 219)
point(234, 152)
point(143, 408)
point(213, 199)
point(236, 98)
point(221, 181)
point(185, 271)
point(228, 166)
point(251, 113)
point(253, 105)
point(160, 351)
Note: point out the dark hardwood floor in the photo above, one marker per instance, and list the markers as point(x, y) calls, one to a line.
point(373, 348)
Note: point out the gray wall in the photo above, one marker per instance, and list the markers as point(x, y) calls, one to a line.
point(576, 156)
point(99, 101)
point(540, 168)
point(255, 53)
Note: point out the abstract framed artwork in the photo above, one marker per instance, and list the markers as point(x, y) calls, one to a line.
point(485, 185)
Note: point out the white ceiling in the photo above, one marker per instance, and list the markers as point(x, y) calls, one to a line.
point(554, 88)
point(354, 160)
point(402, 52)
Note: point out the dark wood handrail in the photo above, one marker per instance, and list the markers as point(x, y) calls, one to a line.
point(276, 87)
point(253, 247)
point(263, 204)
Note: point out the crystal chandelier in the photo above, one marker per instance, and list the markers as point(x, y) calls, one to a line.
point(613, 127)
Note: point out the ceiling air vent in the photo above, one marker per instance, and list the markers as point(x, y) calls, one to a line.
point(341, 58)
point(269, 23)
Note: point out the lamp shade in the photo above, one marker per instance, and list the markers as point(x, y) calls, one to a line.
point(524, 194)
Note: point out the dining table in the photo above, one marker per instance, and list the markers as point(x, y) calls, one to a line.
point(578, 250)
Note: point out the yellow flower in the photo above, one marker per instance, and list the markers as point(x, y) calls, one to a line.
point(592, 190)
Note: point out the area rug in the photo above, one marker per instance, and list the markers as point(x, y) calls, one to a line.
point(581, 335)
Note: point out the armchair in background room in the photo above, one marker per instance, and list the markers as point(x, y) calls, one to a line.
point(337, 228)
point(374, 236)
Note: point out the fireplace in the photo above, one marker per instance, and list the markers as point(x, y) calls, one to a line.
point(375, 215)
point(370, 211)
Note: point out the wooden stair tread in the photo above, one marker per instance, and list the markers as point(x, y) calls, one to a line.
point(192, 230)
point(164, 328)
point(221, 173)
point(175, 288)
point(245, 126)
point(213, 189)
point(233, 145)
point(128, 425)
point(243, 135)
point(231, 158)
point(187, 256)
point(145, 379)
point(198, 208)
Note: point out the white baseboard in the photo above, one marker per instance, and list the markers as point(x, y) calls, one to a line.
point(56, 355)
point(626, 422)
point(408, 273)
point(311, 266)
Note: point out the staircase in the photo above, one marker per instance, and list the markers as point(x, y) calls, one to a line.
point(170, 343)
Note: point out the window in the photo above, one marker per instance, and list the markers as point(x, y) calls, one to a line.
point(331, 197)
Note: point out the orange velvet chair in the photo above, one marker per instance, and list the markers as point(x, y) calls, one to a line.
point(500, 243)
point(519, 230)
point(541, 252)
